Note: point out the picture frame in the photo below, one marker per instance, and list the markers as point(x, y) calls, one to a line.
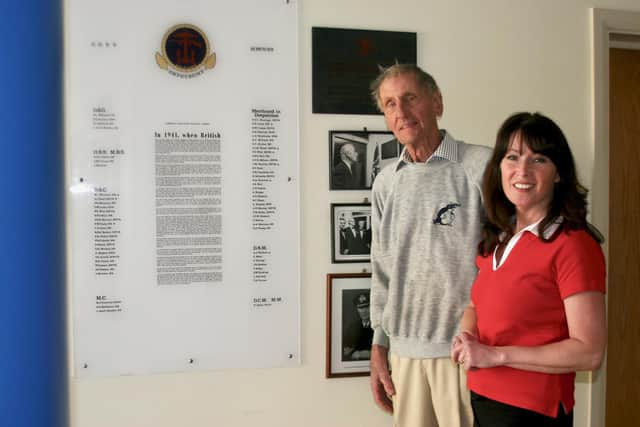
point(350, 232)
point(357, 156)
point(348, 339)
point(344, 61)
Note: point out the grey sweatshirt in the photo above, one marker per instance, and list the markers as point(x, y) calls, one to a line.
point(426, 220)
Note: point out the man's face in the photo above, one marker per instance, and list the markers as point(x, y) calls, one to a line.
point(351, 153)
point(361, 224)
point(342, 222)
point(410, 111)
point(364, 313)
point(351, 222)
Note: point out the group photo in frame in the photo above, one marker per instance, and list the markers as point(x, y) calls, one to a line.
point(349, 333)
point(356, 157)
point(350, 232)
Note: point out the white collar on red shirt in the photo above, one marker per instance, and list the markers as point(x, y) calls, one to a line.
point(533, 229)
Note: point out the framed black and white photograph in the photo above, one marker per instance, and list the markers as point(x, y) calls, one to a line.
point(350, 232)
point(356, 157)
point(349, 333)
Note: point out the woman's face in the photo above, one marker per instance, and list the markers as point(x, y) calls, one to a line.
point(528, 180)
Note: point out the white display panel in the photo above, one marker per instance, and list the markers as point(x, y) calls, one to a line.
point(182, 177)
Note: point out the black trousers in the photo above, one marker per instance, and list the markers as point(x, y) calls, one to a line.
point(489, 413)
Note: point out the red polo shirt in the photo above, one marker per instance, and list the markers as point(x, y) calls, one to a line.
point(521, 303)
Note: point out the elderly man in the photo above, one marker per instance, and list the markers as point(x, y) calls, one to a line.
point(347, 174)
point(422, 266)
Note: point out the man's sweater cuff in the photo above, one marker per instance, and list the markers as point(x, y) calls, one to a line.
point(380, 338)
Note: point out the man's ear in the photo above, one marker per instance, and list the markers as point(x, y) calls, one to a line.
point(438, 104)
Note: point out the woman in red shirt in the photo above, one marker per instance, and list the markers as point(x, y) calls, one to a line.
point(537, 311)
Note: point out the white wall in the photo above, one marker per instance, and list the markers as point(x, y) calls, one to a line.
point(491, 58)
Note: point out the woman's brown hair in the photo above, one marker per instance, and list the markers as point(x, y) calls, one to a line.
point(543, 136)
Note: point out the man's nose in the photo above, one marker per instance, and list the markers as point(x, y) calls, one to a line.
point(401, 110)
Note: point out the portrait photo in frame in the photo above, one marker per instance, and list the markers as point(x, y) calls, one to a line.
point(349, 333)
point(356, 157)
point(350, 232)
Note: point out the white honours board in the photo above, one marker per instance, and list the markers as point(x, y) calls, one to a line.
point(182, 179)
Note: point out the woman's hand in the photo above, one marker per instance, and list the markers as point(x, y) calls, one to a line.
point(472, 354)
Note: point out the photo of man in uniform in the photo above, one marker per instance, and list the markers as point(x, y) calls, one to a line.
point(356, 332)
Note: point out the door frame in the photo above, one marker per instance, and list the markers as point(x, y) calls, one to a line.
point(604, 22)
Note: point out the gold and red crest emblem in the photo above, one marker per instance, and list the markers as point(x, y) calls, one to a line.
point(186, 51)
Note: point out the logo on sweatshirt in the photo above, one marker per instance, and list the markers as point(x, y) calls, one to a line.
point(446, 214)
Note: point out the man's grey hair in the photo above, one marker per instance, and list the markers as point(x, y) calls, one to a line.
point(344, 147)
point(423, 79)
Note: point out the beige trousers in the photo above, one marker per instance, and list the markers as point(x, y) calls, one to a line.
point(430, 393)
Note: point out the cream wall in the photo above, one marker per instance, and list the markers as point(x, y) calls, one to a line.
point(491, 58)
